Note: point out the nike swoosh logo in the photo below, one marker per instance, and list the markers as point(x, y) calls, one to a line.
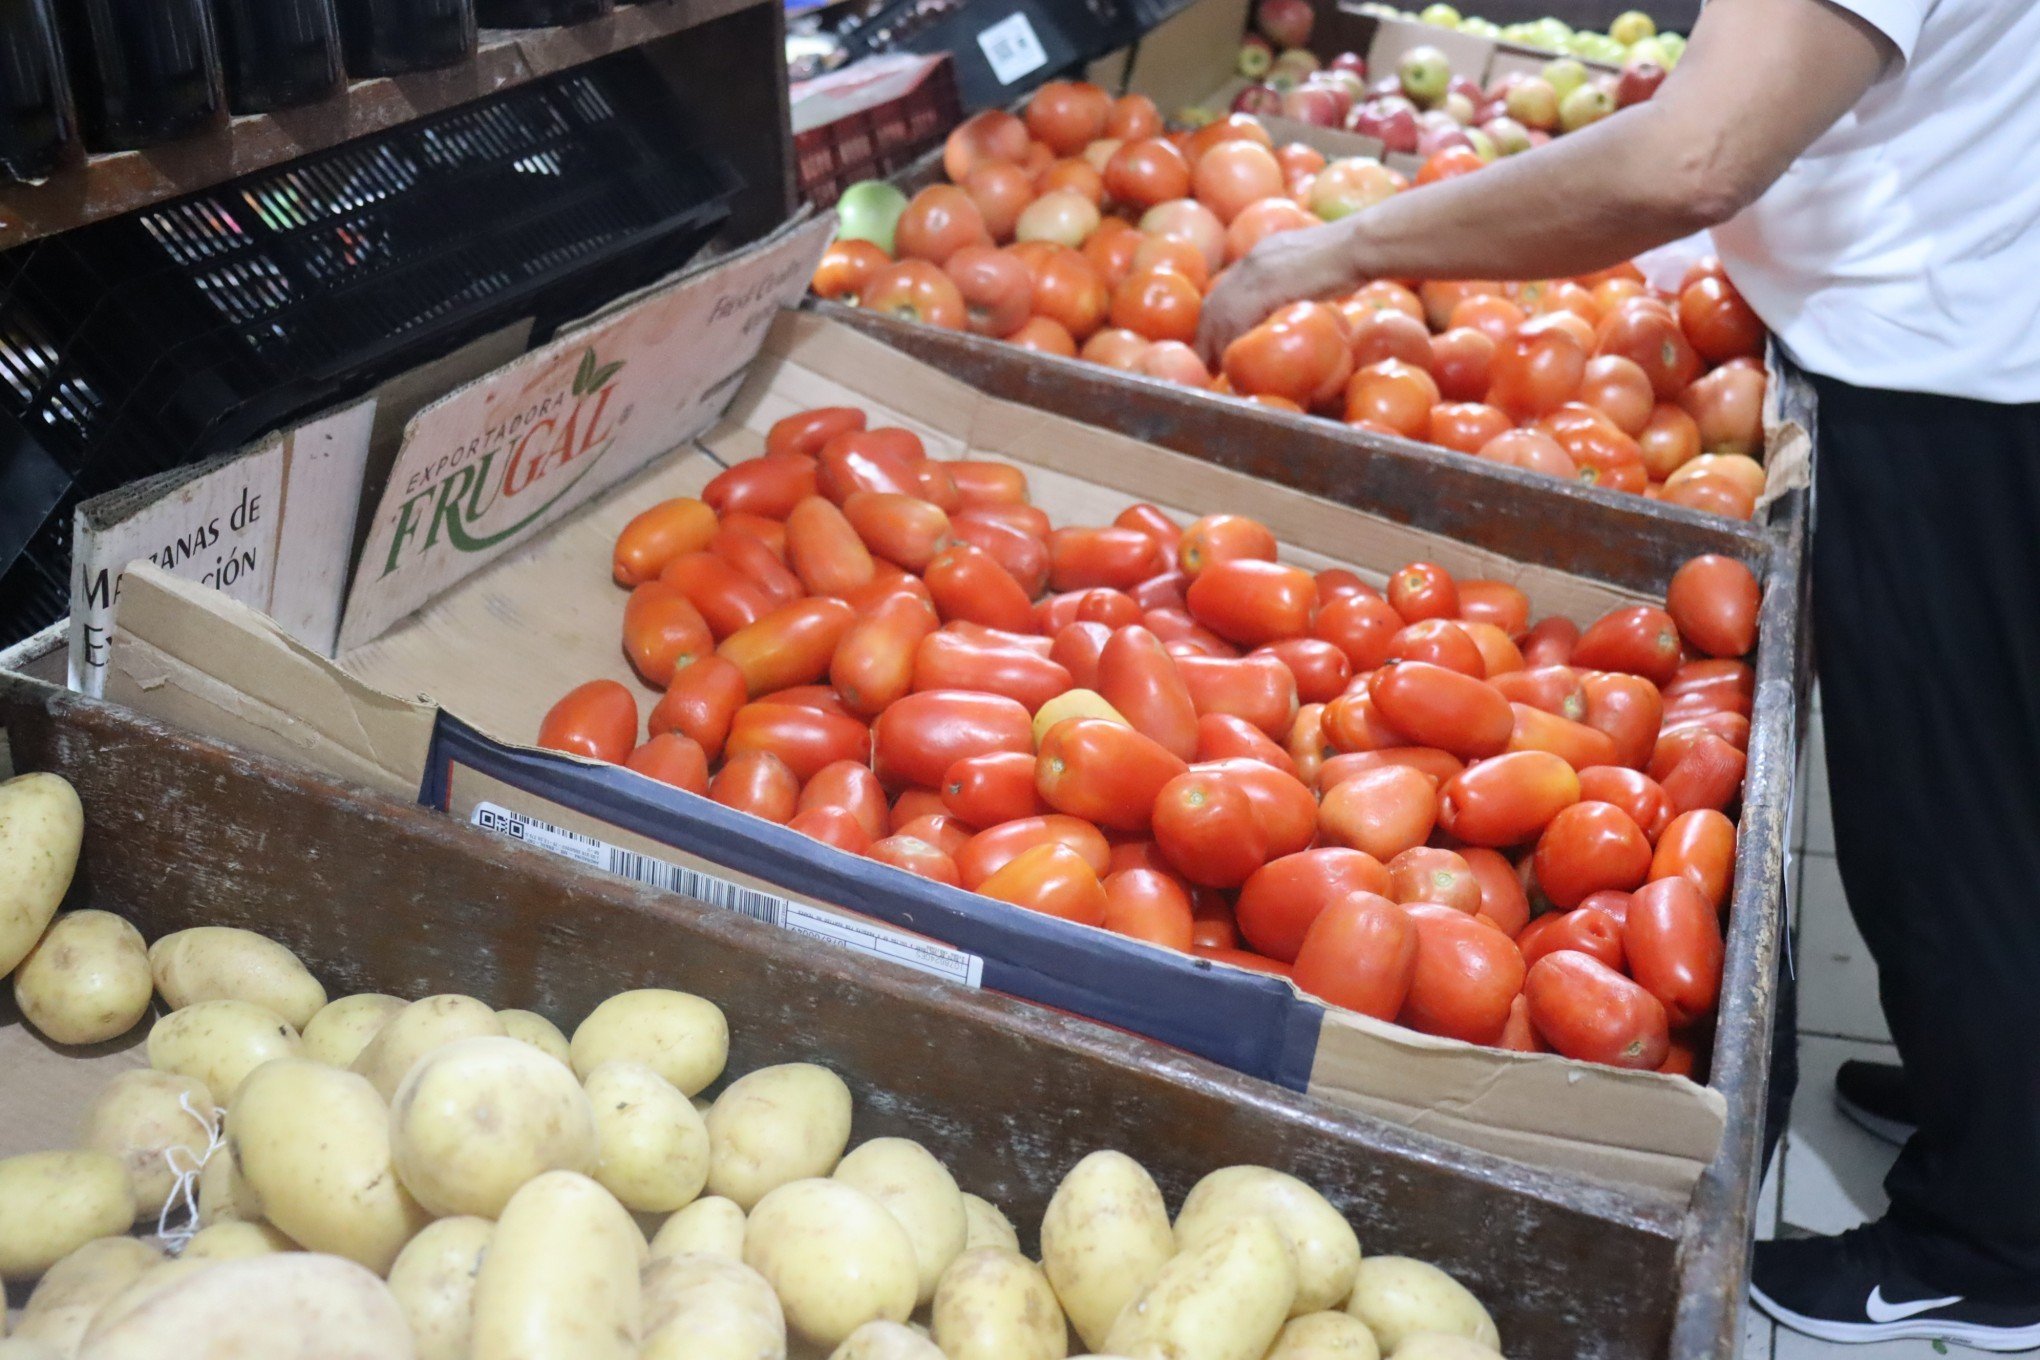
point(1877, 1310)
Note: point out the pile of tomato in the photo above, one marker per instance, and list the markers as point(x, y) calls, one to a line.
point(1086, 229)
point(1416, 803)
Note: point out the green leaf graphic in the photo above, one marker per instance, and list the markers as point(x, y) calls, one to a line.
point(603, 375)
point(587, 370)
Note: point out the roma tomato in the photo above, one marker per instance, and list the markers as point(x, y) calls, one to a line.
point(1145, 904)
point(917, 857)
point(770, 532)
point(1673, 942)
point(821, 697)
point(1629, 709)
point(1423, 590)
point(672, 759)
point(807, 739)
point(1024, 557)
point(952, 661)
point(1278, 904)
point(1719, 323)
point(1638, 640)
point(1467, 976)
point(946, 833)
point(1586, 1010)
point(873, 665)
point(1252, 602)
point(1498, 654)
point(1555, 689)
point(918, 738)
point(1053, 880)
point(1538, 369)
point(1714, 601)
point(824, 550)
point(1360, 953)
point(757, 782)
point(1306, 743)
point(1635, 792)
point(1575, 743)
point(700, 703)
point(1519, 1035)
point(1322, 671)
point(1699, 847)
point(1645, 332)
point(1223, 538)
point(1283, 805)
point(831, 826)
point(1113, 608)
point(1383, 811)
point(1507, 800)
point(1079, 648)
point(999, 488)
point(1708, 776)
point(726, 598)
point(1587, 929)
point(1258, 689)
point(904, 530)
point(1169, 590)
point(662, 632)
point(1443, 708)
point(968, 583)
point(1588, 847)
point(790, 646)
point(1441, 642)
point(1361, 627)
point(869, 460)
point(1211, 921)
point(1178, 632)
point(1610, 903)
point(1502, 899)
point(656, 536)
point(1081, 559)
point(1550, 642)
point(990, 850)
point(1336, 583)
point(598, 720)
point(1423, 873)
point(1205, 828)
point(1103, 772)
point(754, 557)
point(990, 789)
point(1221, 736)
point(1353, 723)
point(805, 432)
point(851, 786)
point(1439, 766)
point(1137, 676)
point(770, 486)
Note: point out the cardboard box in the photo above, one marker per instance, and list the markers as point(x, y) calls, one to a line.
point(443, 701)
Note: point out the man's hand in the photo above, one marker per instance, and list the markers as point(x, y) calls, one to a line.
point(1287, 267)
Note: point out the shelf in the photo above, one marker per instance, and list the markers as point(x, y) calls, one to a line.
point(109, 185)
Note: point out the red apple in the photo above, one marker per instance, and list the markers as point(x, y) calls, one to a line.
point(1459, 108)
point(1539, 137)
point(1382, 86)
point(1313, 104)
point(1350, 61)
point(1354, 88)
point(1465, 85)
point(1257, 100)
point(1287, 23)
point(1638, 82)
point(1499, 87)
point(1390, 120)
point(1432, 140)
point(1255, 57)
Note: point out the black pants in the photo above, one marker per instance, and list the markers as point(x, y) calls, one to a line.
point(1926, 578)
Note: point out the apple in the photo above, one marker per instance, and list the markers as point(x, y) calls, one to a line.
point(1632, 26)
point(1298, 61)
point(1600, 47)
point(1345, 82)
point(1385, 86)
point(1647, 49)
point(1639, 81)
point(869, 210)
point(1539, 137)
point(1351, 62)
point(1441, 14)
point(1478, 27)
point(1564, 76)
point(1459, 108)
point(1287, 23)
point(1258, 100)
point(1465, 85)
point(1587, 104)
point(1435, 139)
point(1533, 102)
point(1314, 104)
point(1499, 87)
point(1425, 74)
point(1482, 144)
point(1674, 47)
point(1255, 57)
point(1487, 111)
point(1509, 136)
point(1391, 120)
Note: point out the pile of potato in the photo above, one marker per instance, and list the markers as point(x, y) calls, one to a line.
point(378, 1178)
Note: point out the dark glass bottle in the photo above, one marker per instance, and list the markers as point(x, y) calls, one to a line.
point(279, 53)
point(143, 71)
point(539, 13)
point(37, 125)
point(390, 37)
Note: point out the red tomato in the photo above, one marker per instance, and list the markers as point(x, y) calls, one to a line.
point(1223, 538)
point(1577, 744)
point(851, 786)
point(1103, 772)
point(968, 583)
point(1499, 656)
point(726, 599)
point(1133, 116)
point(1713, 600)
point(991, 850)
point(662, 631)
point(1353, 723)
point(904, 530)
point(1507, 800)
point(1301, 353)
point(1586, 929)
point(790, 646)
point(824, 549)
point(1278, 904)
point(1629, 709)
point(939, 829)
point(1078, 648)
point(1392, 394)
point(757, 782)
point(1024, 557)
point(997, 289)
point(1467, 976)
point(1205, 828)
point(1165, 591)
point(1586, 1010)
point(755, 559)
point(1631, 790)
point(1069, 292)
point(1160, 304)
point(1422, 590)
point(1533, 451)
point(1137, 676)
point(1442, 708)
point(1321, 669)
point(770, 532)
point(1283, 805)
point(1221, 736)
point(1668, 442)
point(1699, 847)
point(1709, 775)
point(1638, 640)
point(845, 268)
point(1166, 533)
point(997, 490)
point(1253, 602)
point(1233, 175)
point(1211, 922)
point(1382, 811)
point(770, 486)
point(1462, 364)
point(1147, 171)
point(990, 789)
point(940, 220)
point(919, 737)
point(917, 857)
point(1259, 689)
point(1718, 322)
point(1588, 847)
point(916, 290)
point(1439, 766)
point(952, 661)
point(1423, 873)
point(1538, 369)
point(1674, 946)
point(1381, 333)
point(807, 739)
point(656, 536)
point(672, 759)
point(1082, 559)
point(1145, 904)
point(1466, 426)
point(1361, 627)
point(1519, 1035)
point(1441, 642)
point(1502, 899)
point(1113, 608)
point(598, 720)
point(1360, 953)
point(1621, 391)
point(1450, 163)
point(1555, 689)
point(1174, 627)
point(1068, 115)
point(1053, 880)
point(873, 665)
point(832, 826)
point(1491, 314)
point(700, 704)
point(1306, 744)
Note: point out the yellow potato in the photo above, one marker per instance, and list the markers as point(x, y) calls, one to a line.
point(711, 1226)
point(86, 980)
point(986, 1225)
point(1104, 1238)
point(652, 1144)
point(1224, 1299)
point(774, 1126)
point(157, 1279)
point(1398, 1297)
point(834, 1256)
point(994, 1304)
point(415, 1031)
point(222, 963)
point(682, 1037)
point(41, 828)
point(296, 1304)
point(434, 1281)
point(1327, 1252)
point(918, 1191)
point(883, 1340)
point(1443, 1346)
point(220, 1043)
point(560, 1278)
point(710, 1308)
point(73, 1290)
point(224, 1195)
point(52, 1203)
point(1324, 1336)
point(477, 1118)
point(314, 1144)
point(342, 1028)
point(235, 1241)
point(542, 1034)
point(157, 1123)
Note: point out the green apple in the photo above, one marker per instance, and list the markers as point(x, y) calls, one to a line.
point(1425, 74)
point(1443, 15)
point(1586, 104)
point(1564, 75)
point(869, 210)
point(1519, 33)
point(1631, 27)
point(1646, 49)
point(1483, 145)
point(1479, 27)
point(1674, 45)
point(1552, 32)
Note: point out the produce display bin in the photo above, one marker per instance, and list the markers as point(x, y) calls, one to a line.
point(876, 141)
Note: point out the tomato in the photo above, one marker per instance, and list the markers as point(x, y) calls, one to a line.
point(1360, 953)
point(1422, 590)
point(1645, 332)
point(1258, 689)
point(1669, 441)
point(916, 290)
point(1278, 904)
point(1709, 775)
point(834, 826)
point(672, 759)
point(1145, 904)
point(1586, 929)
point(1518, 1034)
point(1146, 172)
point(1253, 602)
point(1205, 828)
point(1321, 669)
point(1726, 684)
point(656, 536)
point(917, 857)
point(1361, 626)
point(1465, 426)
point(1382, 811)
point(1533, 451)
point(700, 703)
point(1588, 847)
point(824, 549)
point(1636, 793)
point(1425, 874)
point(848, 786)
point(1719, 323)
point(1113, 608)
point(1068, 115)
point(1629, 709)
point(1550, 642)
point(1337, 583)
point(1077, 648)
point(770, 486)
point(770, 532)
point(1674, 946)
point(1727, 407)
point(947, 660)
point(997, 289)
point(968, 583)
point(1133, 116)
point(1462, 362)
point(1554, 689)
point(1001, 190)
point(1601, 454)
point(1538, 369)
point(1284, 806)
point(1467, 976)
point(1620, 390)
point(1450, 163)
point(1442, 708)
point(1436, 765)
point(662, 631)
point(726, 599)
point(990, 789)
point(1223, 538)
point(946, 833)
point(598, 719)
point(1502, 899)
point(868, 460)
point(1493, 316)
point(845, 268)
point(998, 490)
point(993, 135)
point(1499, 656)
point(1221, 736)
point(1110, 251)
point(1024, 557)
point(1044, 336)
point(1167, 534)
point(1053, 880)
point(1586, 1010)
point(1507, 800)
point(1698, 846)
point(1075, 191)
point(1353, 722)
point(1637, 640)
point(992, 849)
point(1306, 745)
point(1137, 676)
point(806, 739)
point(1160, 304)
point(1080, 559)
point(998, 637)
point(918, 738)
point(1179, 632)
point(1300, 353)
point(1232, 175)
point(1394, 394)
point(1103, 772)
point(753, 557)
point(757, 782)
point(1577, 744)
point(873, 664)
point(1441, 642)
point(792, 645)
point(1713, 601)
point(1211, 921)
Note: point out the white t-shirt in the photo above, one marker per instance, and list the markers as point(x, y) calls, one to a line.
point(1902, 250)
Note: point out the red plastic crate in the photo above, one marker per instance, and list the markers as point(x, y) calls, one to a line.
point(871, 143)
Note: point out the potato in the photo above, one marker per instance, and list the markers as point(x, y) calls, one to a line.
point(341, 1029)
point(542, 1034)
point(86, 980)
point(224, 1195)
point(986, 1225)
point(1443, 1346)
point(295, 1304)
point(73, 1290)
point(157, 1123)
point(314, 1144)
point(834, 1255)
point(560, 1278)
point(52, 1203)
point(711, 1226)
point(1324, 1336)
point(918, 1191)
point(415, 1031)
point(774, 1126)
point(1104, 1238)
point(994, 1304)
point(222, 963)
point(434, 1281)
point(234, 1242)
point(682, 1037)
point(652, 1144)
point(477, 1118)
point(1397, 1297)
point(219, 1043)
point(1327, 1252)
point(883, 1340)
point(1224, 1299)
point(710, 1308)
point(41, 828)
point(157, 1279)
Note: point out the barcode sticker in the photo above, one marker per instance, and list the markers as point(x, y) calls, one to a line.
point(845, 932)
point(1012, 48)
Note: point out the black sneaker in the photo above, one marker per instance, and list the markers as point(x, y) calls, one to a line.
point(1851, 1289)
point(1875, 1096)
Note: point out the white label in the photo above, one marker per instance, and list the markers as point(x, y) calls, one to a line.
point(1012, 49)
point(845, 932)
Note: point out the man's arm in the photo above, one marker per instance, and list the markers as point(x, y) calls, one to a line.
point(1759, 82)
